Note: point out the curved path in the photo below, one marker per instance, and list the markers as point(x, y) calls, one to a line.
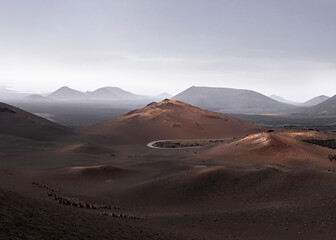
point(208, 141)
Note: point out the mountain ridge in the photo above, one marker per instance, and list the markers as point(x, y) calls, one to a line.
point(315, 101)
point(230, 100)
point(326, 108)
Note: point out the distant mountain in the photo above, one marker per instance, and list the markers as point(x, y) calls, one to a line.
point(101, 94)
point(169, 119)
point(111, 93)
point(230, 100)
point(327, 108)
point(163, 96)
point(283, 100)
point(16, 122)
point(36, 97)
point(66, 93)
point(315, 101)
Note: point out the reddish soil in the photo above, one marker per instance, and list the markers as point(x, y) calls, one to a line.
point(257, 186)
point(169, 119)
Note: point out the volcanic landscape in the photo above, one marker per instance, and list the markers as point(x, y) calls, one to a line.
point(166, 171)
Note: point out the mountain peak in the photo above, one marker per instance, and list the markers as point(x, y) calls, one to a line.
point(170, 119)
point(66, 93)
point(111, 93)
point(160, 107)
point(64, 87)
point(171, 102)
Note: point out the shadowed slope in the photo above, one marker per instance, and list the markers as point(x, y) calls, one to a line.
point(23, 217)
point(16, 122)
point(170, 119)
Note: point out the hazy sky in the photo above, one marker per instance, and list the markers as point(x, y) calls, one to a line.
point(278, 47)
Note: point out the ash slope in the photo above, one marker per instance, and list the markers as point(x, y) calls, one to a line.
point(284, 148)
point(16, 122)
point(170, 119)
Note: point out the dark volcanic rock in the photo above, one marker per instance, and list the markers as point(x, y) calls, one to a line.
point(7, 110)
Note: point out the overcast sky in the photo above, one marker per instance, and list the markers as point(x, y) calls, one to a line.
point(282, 47)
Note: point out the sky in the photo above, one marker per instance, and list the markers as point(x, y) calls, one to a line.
point(147, 47)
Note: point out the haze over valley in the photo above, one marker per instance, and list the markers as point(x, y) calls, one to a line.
point(75, 108)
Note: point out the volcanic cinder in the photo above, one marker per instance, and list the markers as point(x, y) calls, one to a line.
point(237, 180)
point(170, 119)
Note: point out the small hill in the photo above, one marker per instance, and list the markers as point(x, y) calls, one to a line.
point(230, 100)
point(66, 93)
point(36, 97)
point(111, 93)
point(16, 122)
point(283, 148)
point(315, 101)
point(326, 108)
point(169, 119)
